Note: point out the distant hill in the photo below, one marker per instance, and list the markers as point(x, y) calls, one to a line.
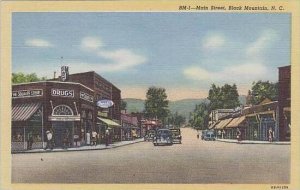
point(183, 107)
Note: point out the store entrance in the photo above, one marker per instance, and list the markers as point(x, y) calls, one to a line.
point(63, 129)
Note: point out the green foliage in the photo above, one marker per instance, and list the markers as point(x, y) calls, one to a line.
point(22, 78)
point(261, 90)
point(156, 104)
point(123, 105)
point(225, 97)
point(176, 120)
point(200, 117)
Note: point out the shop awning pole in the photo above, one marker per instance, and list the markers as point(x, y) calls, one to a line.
point(42, 127)
point(24, 137)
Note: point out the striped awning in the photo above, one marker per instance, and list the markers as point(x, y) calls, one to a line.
point(236, 122)
point(109, 122)
point(213, 125)
point(223, 123)
point(22, 112)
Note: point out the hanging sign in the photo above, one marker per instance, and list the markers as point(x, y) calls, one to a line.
point(105, 103)
point(86, 96)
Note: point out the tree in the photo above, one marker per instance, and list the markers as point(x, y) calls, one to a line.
point(21, 78)
point(200, 116)
point(156, 104)
point(176, 119)
point(225, 97)
point(123, 105)
point(261, 90)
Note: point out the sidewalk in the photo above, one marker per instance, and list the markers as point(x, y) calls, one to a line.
point(253, 142)
point(83, 148)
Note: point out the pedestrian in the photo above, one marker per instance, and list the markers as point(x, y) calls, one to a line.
point(94, 138)
point(271, 134)
point(238, 135)
point(66, 142)
point(219, 134)
point(88, 138)
point(106, 137)
point(198, 134)
point(29, 141)
point(223, 134)
point(49, 140)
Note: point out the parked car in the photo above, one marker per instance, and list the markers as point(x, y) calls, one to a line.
point(176, 135)
point(163, 136)
point(208, 135)
point(149, 135)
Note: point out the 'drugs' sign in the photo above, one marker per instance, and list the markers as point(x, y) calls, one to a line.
point(105, 103)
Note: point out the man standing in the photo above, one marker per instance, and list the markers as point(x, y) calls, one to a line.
point(29, 141)
point(106, 137)
point(49, 140)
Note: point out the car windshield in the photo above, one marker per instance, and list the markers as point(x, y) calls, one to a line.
point(163, 132)
point(175, 131)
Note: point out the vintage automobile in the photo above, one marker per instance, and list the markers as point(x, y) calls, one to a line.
point(163, 136)
point(176, 134)
point(208, 135)
point(149, 135)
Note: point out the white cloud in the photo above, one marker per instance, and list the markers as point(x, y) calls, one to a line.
point(91, 43)
point(38, 43)
point(121, 59)
point(197, 73)
point(213, 42)
point(118, 60)
point(233, 74)
point(266, 38)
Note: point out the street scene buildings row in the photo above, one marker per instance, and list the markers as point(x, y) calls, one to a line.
point(67, 106)
point(268, 121)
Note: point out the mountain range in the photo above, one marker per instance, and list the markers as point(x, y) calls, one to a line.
point(183, 107)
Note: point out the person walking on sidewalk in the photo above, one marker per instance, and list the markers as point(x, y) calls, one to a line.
point(49, 140)
point(94, 138)
point(271, 134)
point(239, 135)
point(106, 137)
point(29, 141)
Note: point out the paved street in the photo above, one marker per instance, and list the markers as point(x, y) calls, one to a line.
point(193, 161)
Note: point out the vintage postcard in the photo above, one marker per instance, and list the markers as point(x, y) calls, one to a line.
point(150, 95)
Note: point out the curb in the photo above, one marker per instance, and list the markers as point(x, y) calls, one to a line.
point(253, 142)
point(73, 150)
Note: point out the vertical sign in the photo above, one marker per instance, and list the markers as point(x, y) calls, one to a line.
point(64, 73)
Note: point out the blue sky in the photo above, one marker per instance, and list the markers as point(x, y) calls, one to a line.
point(182, 52)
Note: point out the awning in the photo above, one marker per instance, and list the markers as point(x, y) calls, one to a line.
point(213, 125)
point(109, 122)
point(223, 123)
point(236, 122)
point(22, 112)
point(64, 118)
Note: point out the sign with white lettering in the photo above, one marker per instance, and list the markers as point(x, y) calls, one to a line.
point(86, 97)
point(64, 73)
point(27, 93)
point(62, 93)
point(105, 103)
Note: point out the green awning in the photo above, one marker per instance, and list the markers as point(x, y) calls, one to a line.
point(109, 122)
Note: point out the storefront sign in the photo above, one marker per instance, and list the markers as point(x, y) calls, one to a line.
point(62, 92)
point(86, 97)
point(27, 93)
point(64, 73)
point(105, 103)
point(102, 114)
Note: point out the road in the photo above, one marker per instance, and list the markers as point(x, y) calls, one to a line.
point(193, 161)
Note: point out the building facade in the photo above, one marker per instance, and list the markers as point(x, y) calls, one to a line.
point(68, 107)
point(284, 100)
